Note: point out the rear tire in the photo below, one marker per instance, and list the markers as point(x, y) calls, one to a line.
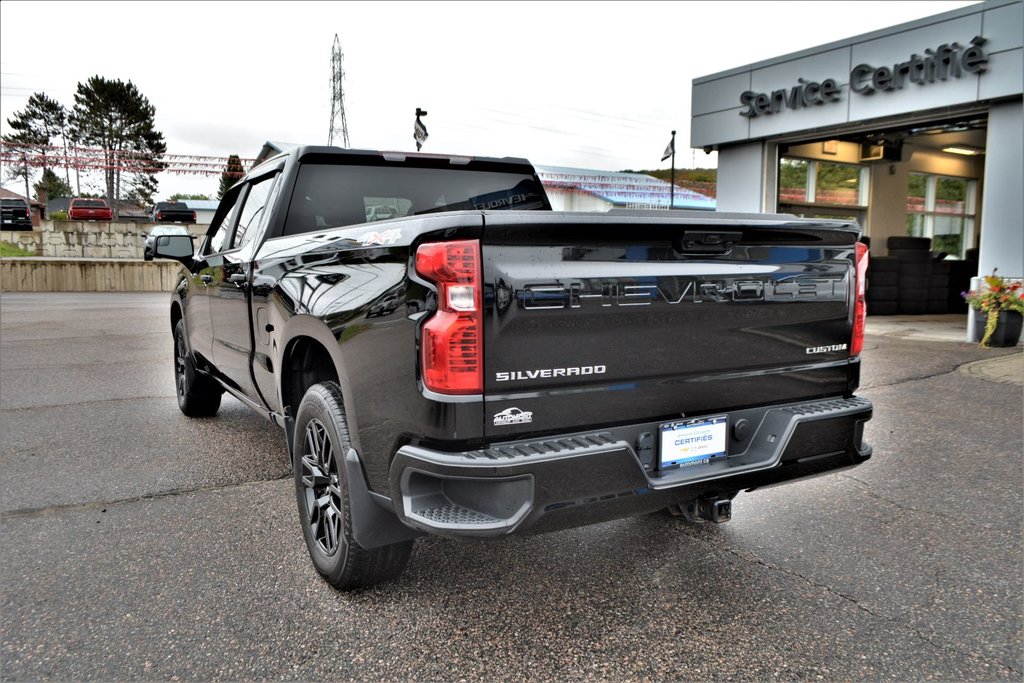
point(321, 491)
point(198, 395)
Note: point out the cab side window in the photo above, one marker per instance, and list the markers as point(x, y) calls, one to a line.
point(221, 229)
point(254, 212)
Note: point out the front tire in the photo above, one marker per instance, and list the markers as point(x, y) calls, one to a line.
point(198, 395)
point(321, 491)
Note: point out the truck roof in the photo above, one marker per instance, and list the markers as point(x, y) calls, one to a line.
point(324, 152)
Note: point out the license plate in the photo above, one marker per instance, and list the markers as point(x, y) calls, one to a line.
point(692, 442)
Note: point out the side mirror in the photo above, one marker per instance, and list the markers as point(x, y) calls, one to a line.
point(174, 247)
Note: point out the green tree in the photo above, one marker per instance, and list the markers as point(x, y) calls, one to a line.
point(141, 189)
point(178, 196)
point(231, 174)
point(119, 120)
point(53, 185)
point(35, 130)
point(837, 176)
point(38, 125)
point(793, 174)
point(18, 170)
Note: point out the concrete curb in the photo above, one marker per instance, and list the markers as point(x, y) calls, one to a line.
point(1005, 369)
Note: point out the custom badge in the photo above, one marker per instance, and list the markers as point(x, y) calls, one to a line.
point(826, 349)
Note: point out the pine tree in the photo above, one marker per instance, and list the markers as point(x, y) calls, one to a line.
point(118, 119)
point(53, 185)
point(141, 189)
point(231, 174)
point(36, 128)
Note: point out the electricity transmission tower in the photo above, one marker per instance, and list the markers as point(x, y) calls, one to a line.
point(339, 126)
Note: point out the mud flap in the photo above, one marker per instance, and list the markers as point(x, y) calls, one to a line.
point(374, 524)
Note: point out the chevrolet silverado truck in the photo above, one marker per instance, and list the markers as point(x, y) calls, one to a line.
point(475, 364)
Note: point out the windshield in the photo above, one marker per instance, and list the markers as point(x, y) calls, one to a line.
point(90, 203)
point(167, 230)
point(328, 196)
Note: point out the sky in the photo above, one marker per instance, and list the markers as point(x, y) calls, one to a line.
point(597, 85)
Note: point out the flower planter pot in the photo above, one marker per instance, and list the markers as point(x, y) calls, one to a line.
point(1007, 330)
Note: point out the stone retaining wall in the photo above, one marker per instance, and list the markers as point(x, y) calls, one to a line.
point(28, 274)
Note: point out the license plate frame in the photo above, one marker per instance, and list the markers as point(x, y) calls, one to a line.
point(692, 442)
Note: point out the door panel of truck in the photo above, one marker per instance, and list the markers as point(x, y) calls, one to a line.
point(232, 324)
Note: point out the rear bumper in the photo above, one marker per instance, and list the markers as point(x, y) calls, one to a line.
point(576, 479)
point(16, 222)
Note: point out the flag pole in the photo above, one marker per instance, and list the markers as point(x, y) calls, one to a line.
point(419, 129)
point(672, 189)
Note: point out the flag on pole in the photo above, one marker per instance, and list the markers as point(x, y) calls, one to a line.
point(419, 131)
point(670, 150)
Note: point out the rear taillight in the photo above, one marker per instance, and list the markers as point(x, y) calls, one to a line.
point(159, 215)
point(193, 216)
point(860, 306)
point(452, 344)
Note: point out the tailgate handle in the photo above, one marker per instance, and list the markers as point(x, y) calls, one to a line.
point(706, 242)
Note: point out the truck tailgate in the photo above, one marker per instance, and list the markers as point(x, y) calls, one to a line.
point(612, 319)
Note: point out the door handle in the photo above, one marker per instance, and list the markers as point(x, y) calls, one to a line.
point(206, 278)
point(237, 279)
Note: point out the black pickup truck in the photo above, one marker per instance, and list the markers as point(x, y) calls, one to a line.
point(172, 212)
point(15, 214)
point(478, 365)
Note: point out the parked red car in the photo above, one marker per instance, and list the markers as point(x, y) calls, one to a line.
point(90, 210)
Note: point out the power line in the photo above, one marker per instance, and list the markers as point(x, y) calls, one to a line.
point(95, 159)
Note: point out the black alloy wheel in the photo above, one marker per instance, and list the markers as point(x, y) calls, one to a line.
point(180, 376)
point(319, 450)
point(322, 489)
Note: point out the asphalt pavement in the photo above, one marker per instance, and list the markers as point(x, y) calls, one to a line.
point(136, 543)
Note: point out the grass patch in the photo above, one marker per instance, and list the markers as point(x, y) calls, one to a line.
point(8, 249)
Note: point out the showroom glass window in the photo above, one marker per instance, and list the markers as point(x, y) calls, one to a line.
point(823, 189)
point(943, 209)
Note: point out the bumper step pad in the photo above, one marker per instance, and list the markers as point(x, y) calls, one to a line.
point(452, 515)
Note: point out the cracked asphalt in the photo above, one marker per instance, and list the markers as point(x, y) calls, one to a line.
point(140, 544)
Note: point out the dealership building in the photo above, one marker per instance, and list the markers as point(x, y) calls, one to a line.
point(917, 129)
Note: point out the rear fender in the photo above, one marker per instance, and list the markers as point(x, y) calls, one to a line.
point(313, 328)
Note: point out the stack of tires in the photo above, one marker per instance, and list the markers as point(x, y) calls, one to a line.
point(914, 258)
point(938, 287)
point(883, 285)
point(960, 274)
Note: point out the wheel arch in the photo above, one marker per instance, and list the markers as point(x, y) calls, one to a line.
point(310, 355)
point(176, 314)
point(305, 362)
